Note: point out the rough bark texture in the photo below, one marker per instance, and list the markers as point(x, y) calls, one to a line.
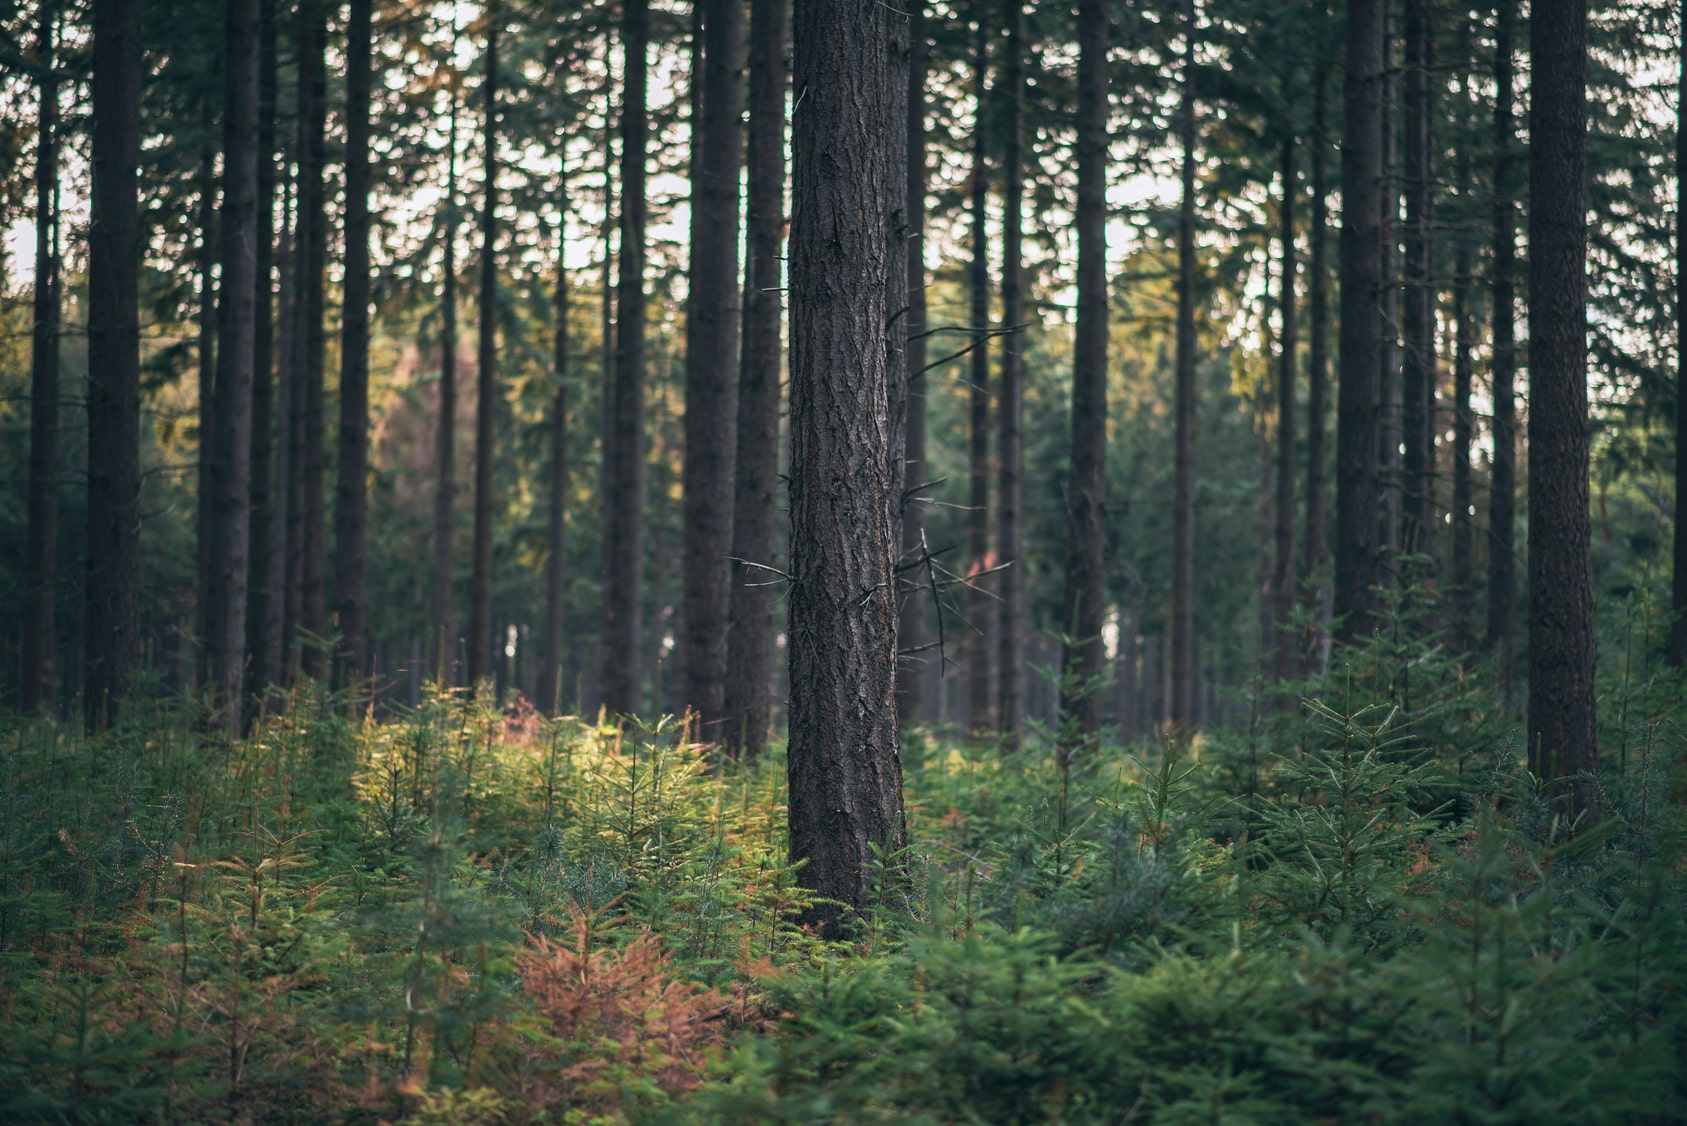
point(1317, 371)
point(549, 687)
point(351, 500)
point(754, 509)
point(1183, 491)
point(1010, 637)
point(312, 341)
point(623, 533)
point(442, 619)
point(711, 367)
point(1284, 646)
point(1678, 635)
point(480, 647)
point(847, 229)
point(1083, 660)
point(1418, 375)
point(1502, 485)
point(267, 568)
point(911, 625)
point(231, 453)
point(1563, 726)
point(1357, 563)
point(114, 363)
point(979, 603)
point(40, 646)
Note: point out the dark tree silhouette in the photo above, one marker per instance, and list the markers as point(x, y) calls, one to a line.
point(1678, 634)
point(980, 684)
point(1010, 655)
point(911, 622)
point(1183, 495)
point(480, 661)
point(1283, 553)
point(267, 571)
point(1317, 365)
point(306, 497)
point(442, 618)
point(1418, 375)
point(1502, 478)
point(556, 497)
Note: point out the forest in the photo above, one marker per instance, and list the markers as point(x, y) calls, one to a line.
point(842, 561)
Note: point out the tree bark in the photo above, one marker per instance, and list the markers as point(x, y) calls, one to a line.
point(1389, 432)
point(231, 440)
point(312, 341)
point(847, 229)
point(1083, 659)
point(1010, 656)
point(1418, 377)
point(911, 622)
point(623, 555)
point(1357, 568)
point(1502, 532)
point(979, 603)
point(549, 687)
point(754, 512)
point(1183, 495)
point(1563, 724)
point(1678, 634)
point(206, 363)
point(287, 521)
point(1283, 561)
point(442, 620)
point(267, 570)
point(112, 616)
point(39, 681)
point(1464, 344)
point(480, 648)
point(711, 367)
point(1317, 372)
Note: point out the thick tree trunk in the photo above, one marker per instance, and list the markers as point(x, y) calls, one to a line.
point(267, 567)
point(442, 620)
point(911, 624)
point(1083, 659)
point(1563, 725)
point(1502, 532)
point(1678, 634)
point(549, 687)
point(754, 511)
point(351, 500)
point(312, 341)
point(1357, 563)
point(1317, 372)
point(711, 367)
point(1283, 643)
point(1418, 377)
point(114, 363)
point(231, 440)
point(1183, 492)
point(480, 648)
point(623, 534)
point(846, 239)
point(1010, 639)
point(979, 603)
point(40, 643)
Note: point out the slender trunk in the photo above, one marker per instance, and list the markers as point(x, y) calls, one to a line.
point(1283, 563)
point(1129, 724)
point(313, 257)
point(206, 359)
point(1010, 657)
point(1263, 538)
point(711, 368)
point(40, 645)
point(549, 688)
point(1463, 514)
point(1563, 725)
point(1418, 378)
point(114, 363)
point(480, 655)
point(623, 556)
point(286, 520)
point(1317, 372)
point(606, 319)
point(1502, 533)
point(443, 619)
point(979, 603)
point(911, 623)
point(754, 511)
point(1082, 661)
point(846, 240)
point(1678, 634)
point(1183, 496)
point(1388, 507)
point(1358, 569)
point(267, 570)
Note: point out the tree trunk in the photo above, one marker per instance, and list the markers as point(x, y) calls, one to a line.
point(40, 644)
point(1317, 372)
point(549, 688)
point(1418, 377)
point(1357, 569)
point(978, 603)
point(911, 624)
point(1502, 533)
point(1388, 347)
point(1678, 634)
point(480, 646)
point(606, 315)
point(1010, 656)
point(846, 238)
point(231, 439)
point(114, 363)
point(754, 512)
point(267, 568)
point(286, 519)
point(1082, 660)
point(1283, 563)
point(351, 498)
point(1464, 343)
point(1183, 495)
point(206, 362)
point(1563, 725)
point(442, 621)
point(711, 366)
point(313, 257)
point(623, 534)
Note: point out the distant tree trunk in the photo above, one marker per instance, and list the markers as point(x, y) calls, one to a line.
point(1464, 343)
point(1283, 644)
point(1389, 432)
point(1357, 569)
point(206, 362)
point(754, 512)
point(711, 367)
point(480, 659)
point(312, 262)
point(114, 363)
point(1678, 634)
point(267, 568)
point(442, 620)
point(286, 521)
point(1419, 377)
point(351, 498)
point(1082, 661)
point(911, 624)
point(1317, 370)
point(1183, 496)
point(1502, 562)
point(979, 680)
point(623, 535)
point(606, 319)
point(549, 687)
point(1129, 725)
point(40, 645)
point(231, 439)
point(1010, 656)
point(846, 235)
point(1563, 724)
point(1263, 537)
